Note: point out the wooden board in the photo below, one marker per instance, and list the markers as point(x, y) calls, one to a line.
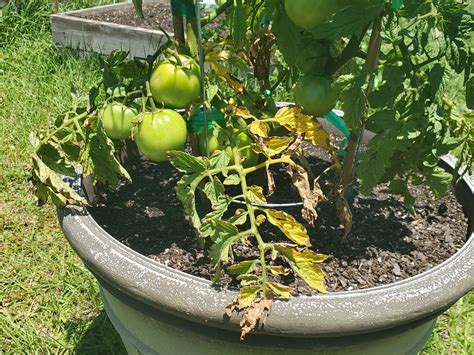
point(74, 32)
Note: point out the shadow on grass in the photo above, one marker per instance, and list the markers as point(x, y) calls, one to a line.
point(96, 336)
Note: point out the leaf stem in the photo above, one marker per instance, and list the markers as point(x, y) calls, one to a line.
point(150, 97)
point(253, 223)
point(213, 15)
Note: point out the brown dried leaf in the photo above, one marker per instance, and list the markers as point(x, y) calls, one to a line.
point(255, 315)
point(310, 197)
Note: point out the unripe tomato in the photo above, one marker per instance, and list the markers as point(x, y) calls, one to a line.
point(118, 120)
point(160, 132)
point(310, 13)
point(244, 141)
point(213, 142)
point(316, 95)
point(312, 58)
point(174, 85)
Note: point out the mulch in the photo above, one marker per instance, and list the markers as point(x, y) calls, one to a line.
point(387, 244)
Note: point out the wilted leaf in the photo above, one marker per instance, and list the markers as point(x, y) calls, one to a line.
point(293, 230)
point(217, 55)
point(310, 197)
point(255, 315)
point(225, 74)
point(214, 190)
point(304, 263)
point(293, 119)
point(239, 218)
point(278, 270)
point(272, 146)
point(258, 128)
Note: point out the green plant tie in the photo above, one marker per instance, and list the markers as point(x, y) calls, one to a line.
point(198, 123)
point(183, 8)
point(338, 122)
point(397, 4)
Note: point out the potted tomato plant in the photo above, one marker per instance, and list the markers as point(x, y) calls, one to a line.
point(374, 59)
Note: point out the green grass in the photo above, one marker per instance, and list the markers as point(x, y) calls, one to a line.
point(50, 302)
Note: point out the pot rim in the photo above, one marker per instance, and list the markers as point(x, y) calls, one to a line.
point(334, 314)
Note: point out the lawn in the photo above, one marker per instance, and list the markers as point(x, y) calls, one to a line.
point(50, 302)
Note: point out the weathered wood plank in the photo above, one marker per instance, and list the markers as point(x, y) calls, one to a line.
point(102, 37)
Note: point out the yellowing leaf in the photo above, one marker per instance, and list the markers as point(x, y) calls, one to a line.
point(224, 74)
point(247, 295)
point(217, 55)
point(278, 145)
point(280, 290)
point(255, 194)
point(304, 263)
point(293, 230)
point(243, 112)
point(260, 219)
point(293, 119)
point(278, 270)
point(258, 128)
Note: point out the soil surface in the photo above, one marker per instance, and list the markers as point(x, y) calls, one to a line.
point(156, 16)
point(387, 244)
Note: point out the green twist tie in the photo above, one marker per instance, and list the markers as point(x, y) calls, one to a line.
point(184, 8)
point(397, 4)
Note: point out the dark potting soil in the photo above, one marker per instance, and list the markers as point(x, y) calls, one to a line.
point(156, 16)
point(387, 244)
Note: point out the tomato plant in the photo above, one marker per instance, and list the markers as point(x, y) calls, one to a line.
point(175, 82)
point(118, 120)
point(317, 53)
point(159, 132)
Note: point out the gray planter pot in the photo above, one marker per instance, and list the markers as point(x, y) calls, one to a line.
point(158, 310)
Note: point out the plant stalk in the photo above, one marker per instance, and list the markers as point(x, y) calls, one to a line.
point(353, 146)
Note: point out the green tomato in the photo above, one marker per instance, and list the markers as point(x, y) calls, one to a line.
point(244, 141)
point(316, 95)
point(118, 120)
point(310, 13)
point(312, 59)
point(160, 132)
point(213, 142)
point(174, 85)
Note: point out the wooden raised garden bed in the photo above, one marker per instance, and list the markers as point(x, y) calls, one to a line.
point(80, 30)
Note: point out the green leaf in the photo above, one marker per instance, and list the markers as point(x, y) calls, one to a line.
point(352, 19)
point(355, 103)
point(304, 263)
point(233, 179)
point(219, 209)
point(244, 267)
point(239, 218)
point(376, 161)
point(400, 187)
point(98, 158)
point(439, 182)
point(220, 159)
point(225, 235)
point(186, 163)
point(187, 197)
point(239, 24)
point(287, 34)
point(246, 280)
point(214, 190)
point(292, 229)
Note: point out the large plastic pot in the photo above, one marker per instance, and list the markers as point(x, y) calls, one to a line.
point(157, 309)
